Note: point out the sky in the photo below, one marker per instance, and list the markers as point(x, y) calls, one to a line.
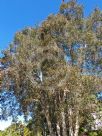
point(16, 15)
point(5, 124)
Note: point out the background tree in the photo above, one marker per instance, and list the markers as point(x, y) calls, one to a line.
point(17, 129)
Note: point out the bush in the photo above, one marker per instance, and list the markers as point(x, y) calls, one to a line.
point(99, 133)
point(93, 134)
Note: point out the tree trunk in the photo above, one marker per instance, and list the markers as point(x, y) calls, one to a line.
point(71, 132)
point(58, 129)
point(49, 125)
point(45, 110)
point(64, 130)
point(76, 132)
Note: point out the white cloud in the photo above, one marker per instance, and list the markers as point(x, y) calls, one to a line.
point(5, 124)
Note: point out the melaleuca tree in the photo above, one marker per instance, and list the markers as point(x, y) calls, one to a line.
point(57, 67)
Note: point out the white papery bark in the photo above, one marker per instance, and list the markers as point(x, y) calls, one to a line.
point(71, 132)
point(77, 125)
point(64, 129)
point(58, 129)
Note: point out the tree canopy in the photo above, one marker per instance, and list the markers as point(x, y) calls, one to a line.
point(55, 70)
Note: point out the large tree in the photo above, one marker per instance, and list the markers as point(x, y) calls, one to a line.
point(55, 69)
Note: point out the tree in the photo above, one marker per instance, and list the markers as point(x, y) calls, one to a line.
point(9, 106)
point(57, 67)
point(16, 130)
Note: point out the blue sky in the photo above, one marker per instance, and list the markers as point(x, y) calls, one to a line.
point(18, 14)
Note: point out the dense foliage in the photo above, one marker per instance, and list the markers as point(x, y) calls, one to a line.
point(55, 70)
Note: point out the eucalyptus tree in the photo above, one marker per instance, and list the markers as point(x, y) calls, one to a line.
point(57, 67)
